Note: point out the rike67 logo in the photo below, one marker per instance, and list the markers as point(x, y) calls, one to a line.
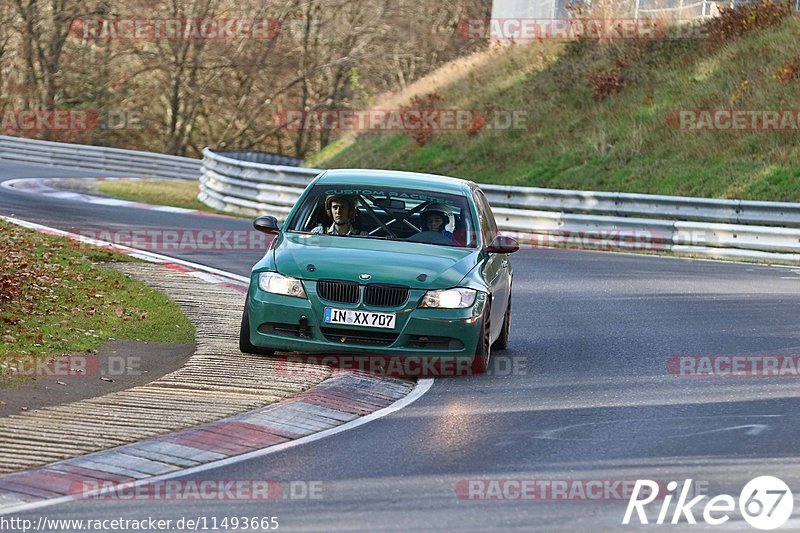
point(765, 503)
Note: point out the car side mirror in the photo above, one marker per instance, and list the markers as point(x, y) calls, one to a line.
point(503, 245)
point(267, 224)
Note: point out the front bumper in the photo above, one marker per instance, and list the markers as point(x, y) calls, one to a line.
point(288, 324)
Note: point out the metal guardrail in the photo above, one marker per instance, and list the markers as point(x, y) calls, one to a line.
point(249, 188)
point(539, 217)
point(748, 212)
point(98, 158)
point(547, 217)
point(266, 158)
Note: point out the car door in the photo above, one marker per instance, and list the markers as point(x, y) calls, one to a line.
point(495, 270)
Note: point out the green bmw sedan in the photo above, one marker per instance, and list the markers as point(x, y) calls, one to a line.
point(383, 263)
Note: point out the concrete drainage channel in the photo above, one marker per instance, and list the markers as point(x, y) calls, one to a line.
point(221, 405)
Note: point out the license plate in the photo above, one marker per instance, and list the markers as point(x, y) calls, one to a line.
point(359, 318)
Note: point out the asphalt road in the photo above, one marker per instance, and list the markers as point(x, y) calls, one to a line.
point(80, 217)
point(582, 395)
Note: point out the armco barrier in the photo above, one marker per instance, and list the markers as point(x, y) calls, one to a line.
point(706, 227)
point(97, 158)
point(250, 188)
point(646, 205)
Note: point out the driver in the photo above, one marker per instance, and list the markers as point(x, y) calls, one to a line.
point(341, 208)
point(435, 218)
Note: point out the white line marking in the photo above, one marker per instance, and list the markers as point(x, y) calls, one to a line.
point(9, 184)
point(41, 186)
point(109, 201)
point(423, 385)
point(755, 429)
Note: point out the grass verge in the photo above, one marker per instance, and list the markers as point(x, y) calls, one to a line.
point(173, 193)
point(56, 299)
point(602, 116)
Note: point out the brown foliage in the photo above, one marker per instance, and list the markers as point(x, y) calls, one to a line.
point(25, 278)
point(604, 83)
point(735, 21)
point(424, 103)
point(789, 71)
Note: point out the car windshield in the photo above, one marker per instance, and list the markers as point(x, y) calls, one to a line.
point(388, 213)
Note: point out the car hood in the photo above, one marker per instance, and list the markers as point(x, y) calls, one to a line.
point(392, 262)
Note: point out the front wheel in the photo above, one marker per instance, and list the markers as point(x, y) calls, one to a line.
point(502, 341)
point(245, 346)
point(483, 351)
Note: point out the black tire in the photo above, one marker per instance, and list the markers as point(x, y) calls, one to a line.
point(483, 351)
point(502, 341)
point(245, 346)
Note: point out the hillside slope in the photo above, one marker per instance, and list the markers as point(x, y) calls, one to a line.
point(581, 134)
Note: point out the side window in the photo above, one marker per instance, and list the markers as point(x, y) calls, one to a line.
point(303, 218)
point(487, 221)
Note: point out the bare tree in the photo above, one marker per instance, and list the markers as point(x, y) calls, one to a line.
point(7, 50)
point(194, 92)
point(45, 30)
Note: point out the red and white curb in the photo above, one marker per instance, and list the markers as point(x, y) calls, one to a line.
point(344, 401)
point(41, 187)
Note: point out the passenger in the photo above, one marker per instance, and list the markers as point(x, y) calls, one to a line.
point(341, 208)
point(435, 218)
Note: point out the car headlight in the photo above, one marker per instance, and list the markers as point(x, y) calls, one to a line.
point(280, 284)
point(449, 298)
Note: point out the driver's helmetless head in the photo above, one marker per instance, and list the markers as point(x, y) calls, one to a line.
point(340, 212)
point(341, 209)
